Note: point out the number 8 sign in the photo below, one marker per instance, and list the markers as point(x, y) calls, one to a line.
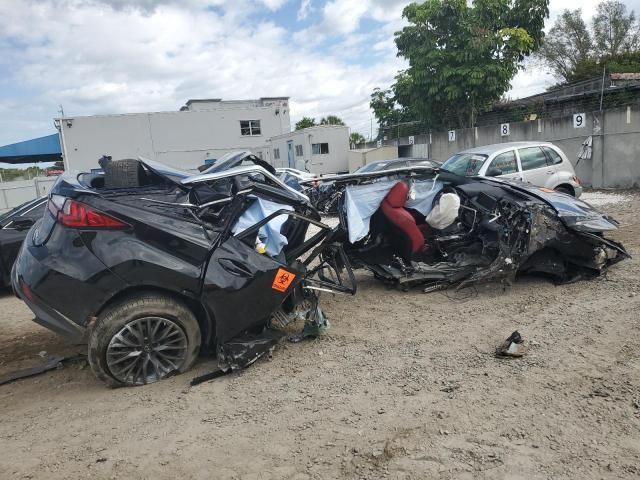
point(578, 120)
point(504, 130)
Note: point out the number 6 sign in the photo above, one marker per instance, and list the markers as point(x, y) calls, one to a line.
point(578, 120)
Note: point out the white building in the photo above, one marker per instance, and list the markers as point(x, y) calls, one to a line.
point(321, 149)
point(203, 130)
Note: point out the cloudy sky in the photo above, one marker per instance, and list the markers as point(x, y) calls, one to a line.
point(121, 56)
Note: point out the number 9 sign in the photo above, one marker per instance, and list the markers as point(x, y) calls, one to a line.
point(578, 120)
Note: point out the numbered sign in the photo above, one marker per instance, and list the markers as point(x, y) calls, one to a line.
point(452, 135)
point(379, 143)
point(578, 120)
point(504, 130)
point(412, 140)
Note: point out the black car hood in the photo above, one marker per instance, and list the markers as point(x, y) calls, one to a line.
point(574, 212)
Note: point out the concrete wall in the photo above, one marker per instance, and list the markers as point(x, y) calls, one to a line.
point(615, 161)
point(16, 193)
point(336, 161)
point(182, 139)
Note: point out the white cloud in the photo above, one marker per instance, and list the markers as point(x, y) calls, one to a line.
point(95, 59)
point(118, 56)
point(306, 7)
point(343, 16)
point(273, 5)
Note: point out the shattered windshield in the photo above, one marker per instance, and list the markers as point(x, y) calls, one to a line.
point(466, 164)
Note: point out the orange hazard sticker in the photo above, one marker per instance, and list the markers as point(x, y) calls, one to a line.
point(283, 280)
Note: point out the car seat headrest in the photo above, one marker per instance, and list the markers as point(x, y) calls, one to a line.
point(397, 196)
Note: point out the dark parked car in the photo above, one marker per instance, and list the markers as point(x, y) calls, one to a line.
point(14, 226)
point(151, 266)
point(382, 165)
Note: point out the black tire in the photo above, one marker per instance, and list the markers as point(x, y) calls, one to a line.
point(563, 189)
point(123, 174)
point(133, 311)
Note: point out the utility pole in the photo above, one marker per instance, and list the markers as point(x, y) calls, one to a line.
point(604, 69)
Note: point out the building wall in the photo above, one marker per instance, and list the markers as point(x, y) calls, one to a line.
point(183, 139)
point(336, 161)
point(615, 160)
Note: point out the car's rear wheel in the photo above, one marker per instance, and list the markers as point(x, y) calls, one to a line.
point(143, 339)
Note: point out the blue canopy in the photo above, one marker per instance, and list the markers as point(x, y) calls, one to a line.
point(42, 149)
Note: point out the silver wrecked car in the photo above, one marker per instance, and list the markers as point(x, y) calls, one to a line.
point(542, 164)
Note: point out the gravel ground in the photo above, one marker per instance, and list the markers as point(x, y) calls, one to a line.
point(403, 386)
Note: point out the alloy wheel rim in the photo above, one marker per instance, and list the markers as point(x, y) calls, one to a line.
point(146, 350)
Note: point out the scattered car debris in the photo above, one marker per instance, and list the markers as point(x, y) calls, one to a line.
point(513, 346)
point(52, 363)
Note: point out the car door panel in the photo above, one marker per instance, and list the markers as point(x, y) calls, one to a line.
point(242, 287)
point(535, 166)
point(561, 173)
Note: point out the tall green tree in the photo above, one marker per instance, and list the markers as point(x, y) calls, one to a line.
point(614, 30)
point(331, 120)
point(568, 45)
point(573, 51)
point(306, 122)
point(462, 57)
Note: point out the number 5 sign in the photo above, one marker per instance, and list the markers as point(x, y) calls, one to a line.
point(578, 120)
point(504, 130)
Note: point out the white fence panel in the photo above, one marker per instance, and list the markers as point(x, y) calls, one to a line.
point(18, 192)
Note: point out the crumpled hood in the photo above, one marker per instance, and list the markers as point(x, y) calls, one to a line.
point(575, 213)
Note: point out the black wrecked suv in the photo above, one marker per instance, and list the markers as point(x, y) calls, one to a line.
point(150, 266)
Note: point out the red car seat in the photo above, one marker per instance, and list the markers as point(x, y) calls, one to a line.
point(412, 238)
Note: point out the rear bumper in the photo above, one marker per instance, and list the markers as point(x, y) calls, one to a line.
point(45, 315)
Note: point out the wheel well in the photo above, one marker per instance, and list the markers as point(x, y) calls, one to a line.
point(568, 187)
point(205, 320)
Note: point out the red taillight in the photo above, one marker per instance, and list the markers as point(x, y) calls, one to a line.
point(26, 291)
point(74, 214)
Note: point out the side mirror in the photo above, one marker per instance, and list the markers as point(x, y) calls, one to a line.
point(493, 172)
point(22, 223)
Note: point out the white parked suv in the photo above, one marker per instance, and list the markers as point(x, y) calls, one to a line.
point(540, 163)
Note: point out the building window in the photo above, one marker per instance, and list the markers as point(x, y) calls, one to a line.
point(276, 154)
point(320, 148)
point(250, 127)
point(299, 151)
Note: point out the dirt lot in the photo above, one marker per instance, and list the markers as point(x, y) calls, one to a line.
point(404, 385)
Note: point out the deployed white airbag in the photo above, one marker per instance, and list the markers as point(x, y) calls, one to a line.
point(445, 212)
point(270, 233)
point(362, 201)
